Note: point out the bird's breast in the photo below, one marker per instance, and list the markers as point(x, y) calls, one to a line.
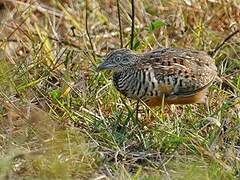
point(136, 83)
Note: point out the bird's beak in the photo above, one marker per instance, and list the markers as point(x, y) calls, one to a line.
point(104, 66)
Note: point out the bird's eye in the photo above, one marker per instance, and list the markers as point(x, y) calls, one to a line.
point(117, 59)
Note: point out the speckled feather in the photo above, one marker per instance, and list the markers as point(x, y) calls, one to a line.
point(193, 69)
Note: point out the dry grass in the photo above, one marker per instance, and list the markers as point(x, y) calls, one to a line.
point(62, 120)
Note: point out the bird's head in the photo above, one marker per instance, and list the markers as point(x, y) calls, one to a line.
point(118, 60)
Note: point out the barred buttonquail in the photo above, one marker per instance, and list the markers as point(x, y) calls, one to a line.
point(181, 76)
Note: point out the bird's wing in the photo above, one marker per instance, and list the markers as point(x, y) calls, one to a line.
point(180, 72)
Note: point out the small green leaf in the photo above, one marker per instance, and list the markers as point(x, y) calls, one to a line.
point(56, 94)
point(136, 44)
point(157, 24)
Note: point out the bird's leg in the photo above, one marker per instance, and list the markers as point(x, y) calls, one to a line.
point(206, 104)
point(162, 106)
point(137, 107)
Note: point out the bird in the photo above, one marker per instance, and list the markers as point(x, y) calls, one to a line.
point(161, 76)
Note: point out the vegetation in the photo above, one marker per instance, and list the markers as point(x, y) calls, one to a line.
point(60, 119)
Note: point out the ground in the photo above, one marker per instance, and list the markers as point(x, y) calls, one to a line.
point(60, 119)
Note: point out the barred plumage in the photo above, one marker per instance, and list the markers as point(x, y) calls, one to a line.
point(183, 76)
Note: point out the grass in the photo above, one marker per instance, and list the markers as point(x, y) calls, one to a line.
point(60, 119)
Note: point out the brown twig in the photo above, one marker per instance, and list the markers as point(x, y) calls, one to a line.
point(212, 53)
point(10, 35)
point(87, 31)
point(120, 24)
point(132, 28)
